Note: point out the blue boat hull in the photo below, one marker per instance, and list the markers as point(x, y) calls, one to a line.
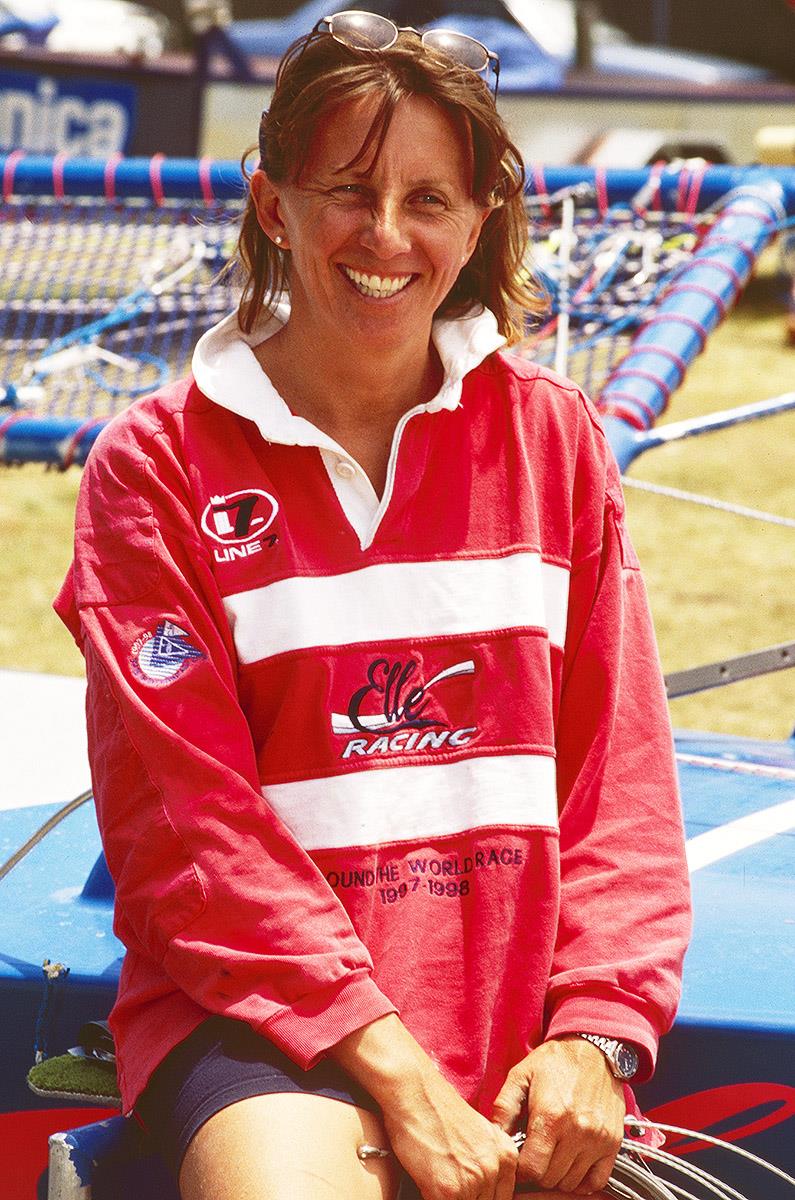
point(728, 1067)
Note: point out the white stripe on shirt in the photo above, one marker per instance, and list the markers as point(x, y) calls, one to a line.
point(400, 601)
point(414, 803)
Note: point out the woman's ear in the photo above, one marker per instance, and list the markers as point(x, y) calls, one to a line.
point(267, 203)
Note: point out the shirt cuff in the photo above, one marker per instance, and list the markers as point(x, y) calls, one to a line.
point(315, 1023)
point(608, 1018)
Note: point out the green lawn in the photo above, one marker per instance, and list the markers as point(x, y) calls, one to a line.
point(720, 585)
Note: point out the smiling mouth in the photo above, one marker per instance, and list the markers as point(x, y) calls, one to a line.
point(376, 286)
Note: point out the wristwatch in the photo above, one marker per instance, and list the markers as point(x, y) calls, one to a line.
point(622, 1058)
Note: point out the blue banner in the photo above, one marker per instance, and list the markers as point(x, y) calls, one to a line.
point(45, 115)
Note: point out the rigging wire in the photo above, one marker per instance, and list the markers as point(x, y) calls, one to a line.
point(43, 830)
point(737, 510)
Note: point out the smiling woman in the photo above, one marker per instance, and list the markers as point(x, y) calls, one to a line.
point(367, 649)
point(403, 204)
point(326, 74)
point(375, 250)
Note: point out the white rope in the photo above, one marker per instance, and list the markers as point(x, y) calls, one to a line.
point(632, 1180)
point(691, 1171)
point(677, 1190)
point(697, 1135)
point(737, 510)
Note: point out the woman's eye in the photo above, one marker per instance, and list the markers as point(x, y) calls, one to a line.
point(348, 190)
point(430, 198)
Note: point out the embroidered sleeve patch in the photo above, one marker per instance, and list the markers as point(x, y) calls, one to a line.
point(159, 658)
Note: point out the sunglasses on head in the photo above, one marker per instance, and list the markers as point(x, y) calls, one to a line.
point(369, 31)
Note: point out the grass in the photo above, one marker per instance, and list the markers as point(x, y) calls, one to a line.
point(719, 585)
point(36, 518)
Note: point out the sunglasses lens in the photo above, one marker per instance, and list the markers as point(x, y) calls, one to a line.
point(369, 31)
point(362, 30)
point(462, 49)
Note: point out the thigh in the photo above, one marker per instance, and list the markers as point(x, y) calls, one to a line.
point(221, 1064)
point(283, 1146)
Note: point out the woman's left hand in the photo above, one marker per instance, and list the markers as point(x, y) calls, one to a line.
point(575, 1115)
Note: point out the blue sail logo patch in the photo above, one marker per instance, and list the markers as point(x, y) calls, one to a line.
point(159, 657)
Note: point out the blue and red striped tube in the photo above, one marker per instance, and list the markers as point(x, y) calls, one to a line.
point(637, 392)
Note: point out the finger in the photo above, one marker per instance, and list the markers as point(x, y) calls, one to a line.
point(581, 1147)
point(597, 1177)
point(505, 1187)
point(577, 1174)
point(501, 1188)
point(591, 1166)
point(510, 1100)
point(537, 1151)
point(506, 1181)
point(561, 1164)
point(498, 1183)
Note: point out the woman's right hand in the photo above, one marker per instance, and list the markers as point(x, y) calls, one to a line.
point(449, 1150)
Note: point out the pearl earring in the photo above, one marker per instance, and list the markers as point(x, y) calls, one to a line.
point(278, 239)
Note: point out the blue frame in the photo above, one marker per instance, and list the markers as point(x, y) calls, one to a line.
point(760, 198)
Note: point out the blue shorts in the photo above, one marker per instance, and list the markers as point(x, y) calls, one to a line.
point(219, 1063)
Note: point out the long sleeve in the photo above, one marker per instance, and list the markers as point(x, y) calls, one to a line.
point(624, 907)
point(210, 883)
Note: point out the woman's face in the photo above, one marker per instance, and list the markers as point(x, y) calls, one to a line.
point(374, 252)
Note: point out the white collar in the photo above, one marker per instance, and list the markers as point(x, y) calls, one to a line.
point(227, 372)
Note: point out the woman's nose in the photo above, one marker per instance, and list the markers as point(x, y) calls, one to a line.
point(385, 231)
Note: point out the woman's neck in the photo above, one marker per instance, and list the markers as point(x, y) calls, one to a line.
point(344, 386)
point(355, 396)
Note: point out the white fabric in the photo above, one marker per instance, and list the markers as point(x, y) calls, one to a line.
point(227, 371)
point(404, 804)
point(448, 597)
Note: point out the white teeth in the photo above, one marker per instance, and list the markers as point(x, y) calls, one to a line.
point(375, 285)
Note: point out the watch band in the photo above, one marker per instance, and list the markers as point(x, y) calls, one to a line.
point(622, 1058)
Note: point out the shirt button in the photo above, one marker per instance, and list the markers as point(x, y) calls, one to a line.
point(345, 469)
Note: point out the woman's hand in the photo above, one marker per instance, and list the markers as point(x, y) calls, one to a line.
point(449, 1150)
point(575, 1115)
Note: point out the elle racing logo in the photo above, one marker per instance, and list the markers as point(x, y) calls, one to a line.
point(393, 711)
point(239, 521)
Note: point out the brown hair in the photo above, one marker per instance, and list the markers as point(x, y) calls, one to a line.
point(316, 76)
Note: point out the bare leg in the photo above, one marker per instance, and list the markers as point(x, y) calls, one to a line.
point(286, 1146)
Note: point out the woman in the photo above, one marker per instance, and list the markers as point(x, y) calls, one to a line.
point(379, 744)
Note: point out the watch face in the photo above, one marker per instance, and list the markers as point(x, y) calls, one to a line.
point(627, 1061)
